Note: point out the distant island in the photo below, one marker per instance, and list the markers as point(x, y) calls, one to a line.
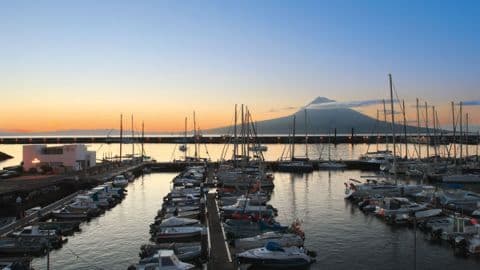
point(323, 121)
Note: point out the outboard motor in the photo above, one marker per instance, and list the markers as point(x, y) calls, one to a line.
point(460, 246)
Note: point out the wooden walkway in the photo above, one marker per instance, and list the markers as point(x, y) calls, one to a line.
point(36, 216)
point(220, 257)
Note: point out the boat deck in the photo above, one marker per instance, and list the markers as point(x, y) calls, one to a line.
point(220, 257)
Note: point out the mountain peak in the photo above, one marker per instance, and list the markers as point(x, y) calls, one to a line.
point(320, 100)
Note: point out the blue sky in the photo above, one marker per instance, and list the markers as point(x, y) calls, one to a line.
point(162, 58)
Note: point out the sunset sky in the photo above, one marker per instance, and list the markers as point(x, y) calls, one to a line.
point(79, 64)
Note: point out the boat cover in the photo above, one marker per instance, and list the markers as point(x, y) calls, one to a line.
point(273, 246)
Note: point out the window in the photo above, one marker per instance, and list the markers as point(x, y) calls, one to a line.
point(166, 261)
point(52, 151)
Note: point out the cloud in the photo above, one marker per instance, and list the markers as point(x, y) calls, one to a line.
point(345, 104)
point(289, 108)
point(471, 103)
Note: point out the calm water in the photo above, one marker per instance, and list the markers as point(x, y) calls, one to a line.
point(167, 152)
point(343, 236)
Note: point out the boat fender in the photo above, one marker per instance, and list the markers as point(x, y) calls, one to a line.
point(312, 253)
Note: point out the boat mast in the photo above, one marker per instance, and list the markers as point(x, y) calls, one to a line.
point(434, 132)
point(242, 132)
point(478, 143)
point(405, 129)
point(460, 140)
point(306, 135)
point(293, 139)
point(121, 135)
point(393, 128)
point(235, 146)
point(454, 133)
point(466, 137)
point(195, 135)
point(439, 134)
point(185, 139)
point(378, 121)
point(418, 133)
point(133, 144)
point(329, 148)
point(247, 132)
point(385, 120)
point(143, 139)
point(428, 131)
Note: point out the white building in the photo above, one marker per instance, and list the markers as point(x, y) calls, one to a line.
point(71, 157)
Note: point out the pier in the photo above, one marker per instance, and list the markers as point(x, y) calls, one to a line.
point(220, 257)
point(351, 138)
point(270, 165)
point(45, 211)
point(57, 191)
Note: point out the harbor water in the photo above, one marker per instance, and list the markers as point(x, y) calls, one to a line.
point(342, 236)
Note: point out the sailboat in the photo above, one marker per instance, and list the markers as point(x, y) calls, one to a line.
point(331, 165)
point(295, 164)
point(184, 148)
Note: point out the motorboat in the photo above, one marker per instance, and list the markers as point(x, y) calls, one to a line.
point(258, 148)
point(383, 189)
point(254, 199)
point(186, 252)
point(331, 165)
point(182, 148)
point(100, 198)
point(391, 207)
point(184, 214)
point(65, 213)
point(182, 192)
point(275, 256)
point(35, 232)
point(182, 181)
point(179, 209)
point(243, 205)
point(446, 197)
point(187, 199)
point(245, 228)
point(129, 176)
point(62, 227)
point(297, 166)
point(378, 157)
point(454, 226)
point(112, 193)
point(120, 181)
point(84, 203)
point(178, 222)
point(245, 180)
point(164, 260)
point(184, 233)
point(462, 178)
point(283, 239)
point(474, 244)
point(21, 246)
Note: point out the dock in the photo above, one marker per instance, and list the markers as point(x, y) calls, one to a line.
point(24, 185)
point(351, 138)
point(220, 257)
point(45, 211)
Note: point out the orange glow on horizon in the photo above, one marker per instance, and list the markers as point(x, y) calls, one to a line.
point(171, 119)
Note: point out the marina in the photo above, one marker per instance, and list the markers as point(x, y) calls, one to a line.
point(240, 135)
point(292, 194)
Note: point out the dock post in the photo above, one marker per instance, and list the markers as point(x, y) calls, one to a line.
point(335, 136)
point(351, 140)
point(204, 243)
